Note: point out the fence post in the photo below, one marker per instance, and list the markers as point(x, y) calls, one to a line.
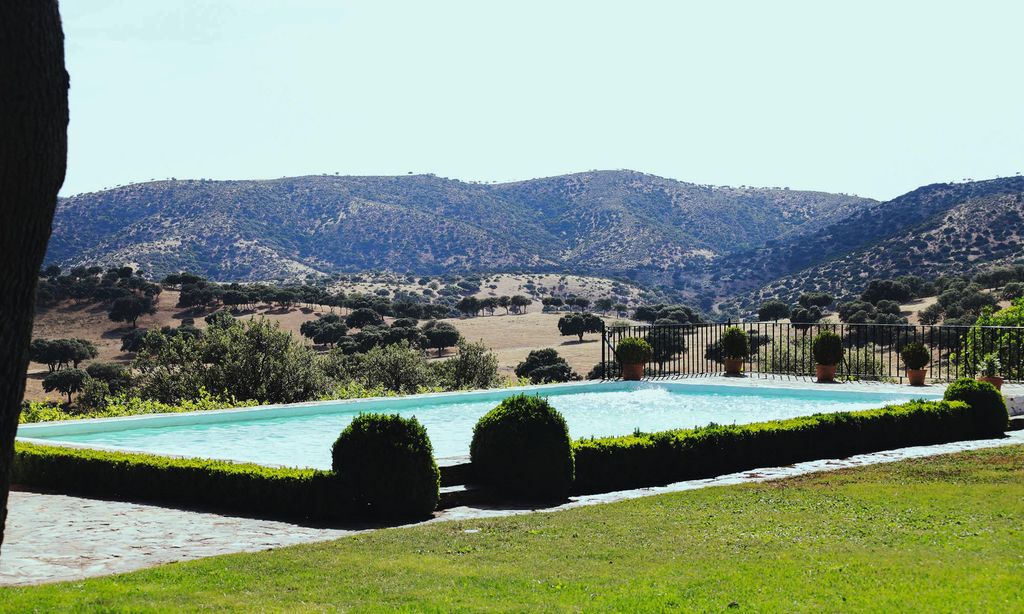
point(604, 363)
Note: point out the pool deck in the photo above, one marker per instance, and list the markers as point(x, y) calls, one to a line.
point(53, 537)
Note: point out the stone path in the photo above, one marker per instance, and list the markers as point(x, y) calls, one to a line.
point(56, 537)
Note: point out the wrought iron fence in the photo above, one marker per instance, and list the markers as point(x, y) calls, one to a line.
point(871, 351)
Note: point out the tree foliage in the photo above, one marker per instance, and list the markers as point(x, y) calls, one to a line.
point(545, 366)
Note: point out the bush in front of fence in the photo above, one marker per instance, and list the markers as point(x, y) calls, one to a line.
point(241, 488)
point(988, 406)
point(614, 463)
point(522, 448)
point(387, 463)
point(827, 348)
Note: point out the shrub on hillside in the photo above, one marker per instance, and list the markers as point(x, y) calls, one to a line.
point(386, 463)
point(772, 310)
point(988, 407)
point(1012, 291)
point(364, 316)
point(396, 367)
point(522, 448)
point(247, 360)
point(887, 289)
point(94, 394)
point(116, 376)
point(545, 367)
point(474, 367)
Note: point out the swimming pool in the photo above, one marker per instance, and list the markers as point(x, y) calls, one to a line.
point(301, 435)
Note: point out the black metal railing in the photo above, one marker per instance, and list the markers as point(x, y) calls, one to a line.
point(871, 351)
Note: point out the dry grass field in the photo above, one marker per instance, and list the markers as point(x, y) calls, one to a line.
point(513, 336)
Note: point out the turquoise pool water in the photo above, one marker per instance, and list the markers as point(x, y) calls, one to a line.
point(301, 435)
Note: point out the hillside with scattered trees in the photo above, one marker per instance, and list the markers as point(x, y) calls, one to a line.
point(614, 223)
point(939, 230)
point(725, 250)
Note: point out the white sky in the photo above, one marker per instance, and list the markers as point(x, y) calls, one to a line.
point(873, 98)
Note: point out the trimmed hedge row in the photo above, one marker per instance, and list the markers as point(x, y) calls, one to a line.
point(242, 488)
point(614, 463)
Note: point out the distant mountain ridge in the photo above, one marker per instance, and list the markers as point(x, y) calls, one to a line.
point(939, 229)
point(619, 223)
point(718, 247)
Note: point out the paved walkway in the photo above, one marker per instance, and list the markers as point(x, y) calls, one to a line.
point(57, 537)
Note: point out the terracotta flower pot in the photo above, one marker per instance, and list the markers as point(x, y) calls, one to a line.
point(633, 371)
point(733, 366)
point(825, 373)
point(995, 381)
point(916, 376)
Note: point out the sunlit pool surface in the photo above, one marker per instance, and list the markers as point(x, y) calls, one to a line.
point(302, 435)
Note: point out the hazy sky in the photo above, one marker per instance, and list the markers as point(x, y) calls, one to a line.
point(873, 98)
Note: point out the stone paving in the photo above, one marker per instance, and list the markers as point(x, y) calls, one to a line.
point(53, 537)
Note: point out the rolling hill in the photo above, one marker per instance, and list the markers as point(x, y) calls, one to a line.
point(611, 223)
point(714, 246)
point(941, 229)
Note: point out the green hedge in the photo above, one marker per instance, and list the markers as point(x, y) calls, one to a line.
point(522, 448)
point(614, 463)
point(990, 412)
point(387, 462)
point(246, 489)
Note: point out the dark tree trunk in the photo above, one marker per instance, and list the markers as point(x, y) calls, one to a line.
point(33, 157)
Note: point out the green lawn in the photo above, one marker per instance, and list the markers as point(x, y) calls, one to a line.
point(934, 535)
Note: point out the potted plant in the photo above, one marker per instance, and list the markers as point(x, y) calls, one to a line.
point(633, 354)
point(735, 349)
point(915, 358)
point(828, 353)
point(990, 368)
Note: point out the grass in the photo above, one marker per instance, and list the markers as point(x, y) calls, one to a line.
point(938, 534)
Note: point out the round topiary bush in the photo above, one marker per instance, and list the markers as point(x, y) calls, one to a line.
point(633, 350)
point(735, 343)
point(915, 355)
point(987, 404)
point(522, 448)
point(827, 348)
point(386, 463)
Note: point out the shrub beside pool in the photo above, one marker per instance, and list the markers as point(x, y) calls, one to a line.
point(522, 448)
point(385, 461)
point(990, 412)
point(613, 463)
point(241, 488)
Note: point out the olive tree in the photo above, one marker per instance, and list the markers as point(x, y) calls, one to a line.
point(130, 308)
point(65, 381)
point(440, 335)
